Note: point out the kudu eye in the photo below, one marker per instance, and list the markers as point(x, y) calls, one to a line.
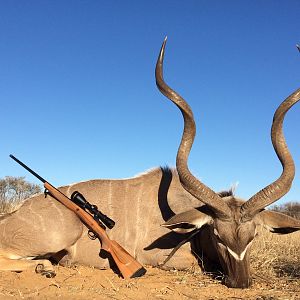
point(216, 233)
point(217, 236)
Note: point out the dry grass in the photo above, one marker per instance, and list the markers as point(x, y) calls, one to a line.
point(276, 256)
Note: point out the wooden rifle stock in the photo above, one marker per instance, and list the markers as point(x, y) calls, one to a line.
point(127, 265)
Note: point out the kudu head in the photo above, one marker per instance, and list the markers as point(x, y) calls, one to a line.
point(232, 222)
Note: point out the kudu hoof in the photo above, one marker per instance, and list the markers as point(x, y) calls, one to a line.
point(40, 269)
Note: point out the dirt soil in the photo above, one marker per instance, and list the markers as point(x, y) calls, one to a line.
point(88, 283)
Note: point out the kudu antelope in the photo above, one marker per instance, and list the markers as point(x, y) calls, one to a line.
point(219, 224)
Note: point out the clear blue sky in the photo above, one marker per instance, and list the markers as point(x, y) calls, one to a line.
point(79, 100)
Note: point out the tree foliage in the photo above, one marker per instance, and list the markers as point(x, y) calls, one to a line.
point(13, 191)
point(290, 208)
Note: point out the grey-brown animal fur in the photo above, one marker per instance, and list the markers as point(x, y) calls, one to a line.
point(43, 228)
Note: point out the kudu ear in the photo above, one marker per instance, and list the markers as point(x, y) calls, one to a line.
point(188, 221)
point(277, 222)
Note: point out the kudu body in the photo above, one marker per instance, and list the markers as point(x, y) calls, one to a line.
point(222, 226)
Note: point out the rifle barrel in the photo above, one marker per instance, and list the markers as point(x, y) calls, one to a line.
point(27, 168)
point(128, 266)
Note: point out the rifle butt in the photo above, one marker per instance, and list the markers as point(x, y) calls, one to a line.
point(128, 266)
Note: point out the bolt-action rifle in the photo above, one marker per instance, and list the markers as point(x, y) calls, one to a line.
point(92, 218)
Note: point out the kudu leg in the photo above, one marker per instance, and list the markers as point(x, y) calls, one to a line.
point(41, 266)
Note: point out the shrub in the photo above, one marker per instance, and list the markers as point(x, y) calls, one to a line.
point(13, 191)
point(291, 208)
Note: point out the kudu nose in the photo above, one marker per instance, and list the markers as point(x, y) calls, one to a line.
point(238, 283)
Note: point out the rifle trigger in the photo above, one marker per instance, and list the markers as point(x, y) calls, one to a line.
point(92, 235)
point(46, 192)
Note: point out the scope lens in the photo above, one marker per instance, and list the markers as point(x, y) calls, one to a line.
point(78, 198)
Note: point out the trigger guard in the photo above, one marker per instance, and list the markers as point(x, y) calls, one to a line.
point(92, 235)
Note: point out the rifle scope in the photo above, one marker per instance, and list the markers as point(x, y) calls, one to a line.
point(79, 199)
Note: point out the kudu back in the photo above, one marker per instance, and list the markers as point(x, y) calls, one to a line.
point(217, 224)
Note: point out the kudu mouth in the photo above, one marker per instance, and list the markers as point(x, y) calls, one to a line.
point(237, 273)
point(260, 200)
point(237, 283)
